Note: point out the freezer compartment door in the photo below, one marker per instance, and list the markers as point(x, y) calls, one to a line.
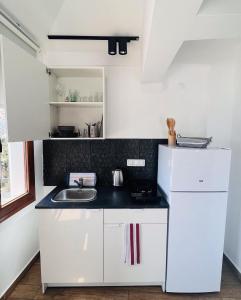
point(200, 170)
point(195, 242)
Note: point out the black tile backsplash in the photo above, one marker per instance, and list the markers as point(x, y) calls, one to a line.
point(103, 156)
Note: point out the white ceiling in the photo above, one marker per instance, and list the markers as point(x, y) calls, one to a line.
point(36, 15)
point(99, 17)
point(207, 52)
point(163, 25)
point(186, 20)
point(95, 17)
point(78, 17)
point(220, 7)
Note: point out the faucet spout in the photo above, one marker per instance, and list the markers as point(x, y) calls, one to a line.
point(80, 182)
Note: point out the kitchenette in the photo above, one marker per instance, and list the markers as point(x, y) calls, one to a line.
point(94, 233)
point(127, 233)
point(120, 144)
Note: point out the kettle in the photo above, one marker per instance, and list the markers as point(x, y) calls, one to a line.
point(117, 177)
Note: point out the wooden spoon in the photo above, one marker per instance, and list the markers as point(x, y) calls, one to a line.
point(171, 124)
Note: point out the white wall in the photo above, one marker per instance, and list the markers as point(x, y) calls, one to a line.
point(220, 103)
point(233, 227)
point(136, 110)
point(195, 92)
point(19, 233)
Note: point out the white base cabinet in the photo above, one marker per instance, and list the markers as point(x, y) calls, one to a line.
point(151, 270)
point(85, 247)
point(71, 246)
point(153, 228)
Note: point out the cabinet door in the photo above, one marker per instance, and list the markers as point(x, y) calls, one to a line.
point(151, 270)
point(24, 93)
point(71, 246)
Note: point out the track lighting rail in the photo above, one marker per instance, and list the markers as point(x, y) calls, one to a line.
point(112, 41)
point(92, 37)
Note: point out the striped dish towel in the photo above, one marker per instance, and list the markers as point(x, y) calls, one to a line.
point(132, 252)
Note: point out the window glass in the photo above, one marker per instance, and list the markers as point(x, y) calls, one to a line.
point(13, 171)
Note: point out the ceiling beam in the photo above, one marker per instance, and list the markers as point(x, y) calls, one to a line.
point(165, 29)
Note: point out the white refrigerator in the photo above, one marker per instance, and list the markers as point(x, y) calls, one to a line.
point(195, 182)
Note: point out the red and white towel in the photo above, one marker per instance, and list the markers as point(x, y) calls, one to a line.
point(132, 251)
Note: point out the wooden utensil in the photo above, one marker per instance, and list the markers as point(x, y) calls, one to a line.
point(171, 132)
point(171, 124)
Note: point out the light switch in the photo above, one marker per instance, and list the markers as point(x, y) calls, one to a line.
point(136, 162)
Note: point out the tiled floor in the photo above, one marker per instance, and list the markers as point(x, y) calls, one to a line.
point(30, 288)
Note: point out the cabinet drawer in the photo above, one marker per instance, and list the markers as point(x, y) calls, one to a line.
point(149, 216)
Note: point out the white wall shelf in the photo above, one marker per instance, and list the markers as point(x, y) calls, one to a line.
point(82, 104)
point(77, 138)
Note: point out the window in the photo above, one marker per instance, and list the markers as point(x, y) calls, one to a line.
point(17, 177)
point(13, 183)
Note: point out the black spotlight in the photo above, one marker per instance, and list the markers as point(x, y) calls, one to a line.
point(112, 46)
point(122, 46)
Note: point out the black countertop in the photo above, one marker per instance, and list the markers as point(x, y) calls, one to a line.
point(107, 198)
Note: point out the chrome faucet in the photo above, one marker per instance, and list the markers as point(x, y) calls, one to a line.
point(80, 183)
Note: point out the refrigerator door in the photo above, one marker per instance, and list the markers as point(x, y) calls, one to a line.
point(200, 170)
point(195, 242)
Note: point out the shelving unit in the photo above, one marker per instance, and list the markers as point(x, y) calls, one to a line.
point(87, 82)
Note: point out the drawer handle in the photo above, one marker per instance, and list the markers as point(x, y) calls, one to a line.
point(113, 225)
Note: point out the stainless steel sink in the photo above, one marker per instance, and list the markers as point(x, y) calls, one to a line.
point(75, 195)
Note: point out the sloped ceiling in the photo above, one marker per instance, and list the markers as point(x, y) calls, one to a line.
point(36, 15)
point(163, 25)
point(220, 7)
point(99, 17)
point(77, 17)
point(170, 22)
point(186, 20)
point(96, 17)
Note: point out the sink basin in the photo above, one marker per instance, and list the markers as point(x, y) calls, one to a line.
point(75, 195)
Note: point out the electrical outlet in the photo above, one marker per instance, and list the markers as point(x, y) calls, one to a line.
point(136, 162)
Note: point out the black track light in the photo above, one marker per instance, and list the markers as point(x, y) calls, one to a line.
point(122, 46)
point(112, 47)
point(112, 41)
